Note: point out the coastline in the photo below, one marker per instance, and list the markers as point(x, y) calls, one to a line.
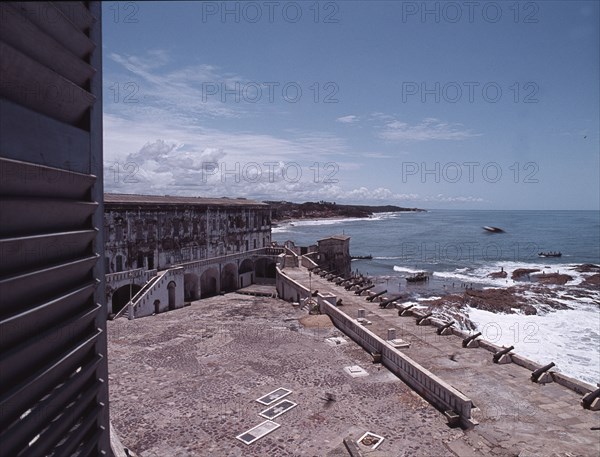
point(275, 223)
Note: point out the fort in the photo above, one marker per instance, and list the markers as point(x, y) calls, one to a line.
point(474, 397)
point(163, 243)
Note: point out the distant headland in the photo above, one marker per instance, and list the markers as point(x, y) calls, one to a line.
point(282, 210)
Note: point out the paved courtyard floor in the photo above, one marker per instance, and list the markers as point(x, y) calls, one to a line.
point(184, 383)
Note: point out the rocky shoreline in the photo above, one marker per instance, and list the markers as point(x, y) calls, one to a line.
point(285, 211)
point(539, 293)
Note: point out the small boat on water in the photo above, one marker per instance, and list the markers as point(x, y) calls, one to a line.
point(549, 254)
point(493, 229)
point(418, 277)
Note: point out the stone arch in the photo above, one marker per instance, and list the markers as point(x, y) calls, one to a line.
point(172, 295)
point(191, 285)
point(156, 306)
point(246, 266)
point(229, 277)
point(209, 283)
point(265, 268)
point(122, 295)
point(246, 273)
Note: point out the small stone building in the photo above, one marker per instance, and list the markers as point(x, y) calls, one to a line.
point(334, 254)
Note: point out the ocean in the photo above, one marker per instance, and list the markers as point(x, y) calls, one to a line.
point(453, 247)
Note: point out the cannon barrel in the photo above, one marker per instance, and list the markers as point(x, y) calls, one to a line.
point(444, 327)
point(468, 339)
point(587, 400)
point(500, 353)
point(373, 297)
point(362, 289)
point(540, 371)
point(355, 283)
point(421, 319)
point(400, 311)
point(384, 303)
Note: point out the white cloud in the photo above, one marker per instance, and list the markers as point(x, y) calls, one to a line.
point(427, 129)
point(441, 198)
point(350, 119)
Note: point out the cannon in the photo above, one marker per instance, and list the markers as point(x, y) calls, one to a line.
point(362, 289)
point(403, 310)
point(373, 297)
point(498, 355)
point(385, 303)
point(469, 339)
point(421, 319)
point(444, 327)
point(355, 283)
point(591, 400)
point(537, 375)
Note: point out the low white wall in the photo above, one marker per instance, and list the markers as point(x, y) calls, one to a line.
point(288, 289)
point(573, 384)
point(245, 279)
point(439, 393)
point(159, 291)
point(307, 262)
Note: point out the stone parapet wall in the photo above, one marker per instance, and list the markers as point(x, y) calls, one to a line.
point(439, 393)
point(288, 289)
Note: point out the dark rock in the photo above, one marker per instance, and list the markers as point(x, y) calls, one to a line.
point(587, 268)
point(553, 278)
point(520, 272)
point(498, 274)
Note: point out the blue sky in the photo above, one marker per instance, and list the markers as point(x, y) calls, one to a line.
point(483, 105)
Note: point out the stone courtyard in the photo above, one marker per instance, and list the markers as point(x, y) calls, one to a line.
point(184, 383)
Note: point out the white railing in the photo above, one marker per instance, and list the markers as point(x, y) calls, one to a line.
point(140, 292)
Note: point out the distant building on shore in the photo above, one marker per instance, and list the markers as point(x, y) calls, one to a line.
point(157, 232)
point(334, 254)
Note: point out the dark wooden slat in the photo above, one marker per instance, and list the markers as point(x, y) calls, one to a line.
point(30, 137)
point(29, 83)
point(80, 412)
point(28, 252)
point(25, 36)
point(44, 284)
point(14, 437)
point(79, 440)
point(20, 324)
point(77, 13)
point(41, 216)
point(20, 362)
point(24, 179)
point(52, 21)
point(59, 368)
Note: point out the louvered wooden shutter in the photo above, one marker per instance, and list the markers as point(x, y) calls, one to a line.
point(53, 370)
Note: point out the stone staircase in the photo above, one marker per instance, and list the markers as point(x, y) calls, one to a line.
point(123, 312)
